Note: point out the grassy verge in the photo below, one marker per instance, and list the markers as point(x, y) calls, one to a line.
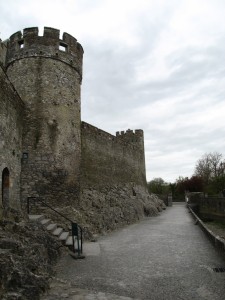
point(218, 224)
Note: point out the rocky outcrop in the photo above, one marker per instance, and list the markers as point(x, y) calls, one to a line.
point(111, 207)
point(114, 207)
point(27, 254)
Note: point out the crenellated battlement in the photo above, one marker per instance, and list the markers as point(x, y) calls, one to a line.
point(130, 136)
point(130, 132)
point(30, 44)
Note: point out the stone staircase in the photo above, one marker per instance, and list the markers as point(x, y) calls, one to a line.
point(64, 236)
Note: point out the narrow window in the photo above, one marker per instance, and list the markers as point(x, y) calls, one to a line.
point(21, 44)
point(63, 47)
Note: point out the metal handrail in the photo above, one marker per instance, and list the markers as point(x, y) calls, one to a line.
point(74, 225)
point(28, 207)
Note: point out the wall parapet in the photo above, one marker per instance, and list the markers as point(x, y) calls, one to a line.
point(97, 131)
point(30, 44)
point(130, 132)
point(130, 138)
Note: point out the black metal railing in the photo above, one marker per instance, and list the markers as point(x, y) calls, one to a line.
point(76, 230)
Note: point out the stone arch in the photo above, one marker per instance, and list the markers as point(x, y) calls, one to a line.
point(5, 187)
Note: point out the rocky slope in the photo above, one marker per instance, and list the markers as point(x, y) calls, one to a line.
point(27, 254)
point(111, 207)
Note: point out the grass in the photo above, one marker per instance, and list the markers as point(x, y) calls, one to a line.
point(218, 224)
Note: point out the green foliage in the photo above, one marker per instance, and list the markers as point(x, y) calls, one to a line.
point(209, 177)
point(158, 186)
point(215, 185)
point(211, 169)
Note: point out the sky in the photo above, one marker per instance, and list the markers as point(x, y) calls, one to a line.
point(155, 65)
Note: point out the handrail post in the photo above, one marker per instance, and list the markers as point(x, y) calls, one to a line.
point(77, 232)
point(72, 232)
point(78, 243)
point(81, 240)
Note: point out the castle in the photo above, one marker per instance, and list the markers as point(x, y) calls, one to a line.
point(46, 150)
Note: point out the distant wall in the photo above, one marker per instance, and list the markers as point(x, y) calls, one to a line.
point(111, 160)
point(11, 118)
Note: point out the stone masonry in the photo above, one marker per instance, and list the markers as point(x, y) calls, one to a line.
point(46, 151)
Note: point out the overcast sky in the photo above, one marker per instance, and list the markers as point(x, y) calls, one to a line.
point(156, 65)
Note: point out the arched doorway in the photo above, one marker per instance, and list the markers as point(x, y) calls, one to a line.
point(5, 188)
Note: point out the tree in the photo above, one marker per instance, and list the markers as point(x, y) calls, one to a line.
point(181, 185)
point(194, 184)
point(157, 186)
point(211, 168)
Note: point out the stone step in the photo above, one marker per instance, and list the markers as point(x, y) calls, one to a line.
point(45, 222)
point(51, 227)
point(69, 241)
point(57, 231)
point(63, 236)
point(36, 218)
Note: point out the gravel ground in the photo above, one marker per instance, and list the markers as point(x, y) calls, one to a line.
point(161, 258)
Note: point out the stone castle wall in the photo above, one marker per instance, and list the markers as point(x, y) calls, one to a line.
point(109, 159)
point(48, 80)
point(11, 123)
point(113, 180)
point(91, 176)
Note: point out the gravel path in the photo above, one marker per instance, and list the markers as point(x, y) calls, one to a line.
point(165, 257)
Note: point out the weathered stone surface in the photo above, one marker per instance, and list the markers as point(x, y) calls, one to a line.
point(57, 155)
point(11, 122)
point(27, 254)
point(111, 160)
point(107, 209)
point(51, 136)
point(116, 206)
point(92, 177)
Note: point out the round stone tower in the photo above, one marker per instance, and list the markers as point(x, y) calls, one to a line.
point(47, 73)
